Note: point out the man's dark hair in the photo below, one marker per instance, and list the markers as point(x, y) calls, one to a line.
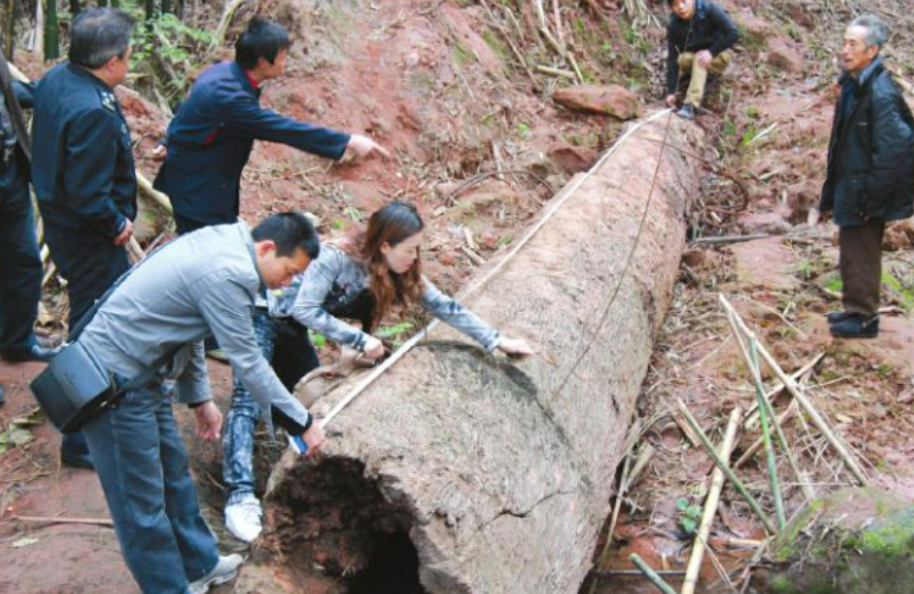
point(290, 231)
point(99, 34)
point(262, 39)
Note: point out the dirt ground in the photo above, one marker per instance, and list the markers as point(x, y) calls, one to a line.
point(427, 81)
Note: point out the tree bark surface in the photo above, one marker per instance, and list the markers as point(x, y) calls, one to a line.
point(501, 471)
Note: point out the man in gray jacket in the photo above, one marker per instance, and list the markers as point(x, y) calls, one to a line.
point(200, 284)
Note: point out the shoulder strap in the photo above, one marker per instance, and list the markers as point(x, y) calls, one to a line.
point(87, 317)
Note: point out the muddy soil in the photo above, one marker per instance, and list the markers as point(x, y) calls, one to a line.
point(427, 80)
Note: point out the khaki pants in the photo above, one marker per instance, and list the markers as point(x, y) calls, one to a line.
point(698, 76)
point(860, 263)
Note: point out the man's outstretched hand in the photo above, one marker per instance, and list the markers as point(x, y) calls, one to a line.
point(364, 147)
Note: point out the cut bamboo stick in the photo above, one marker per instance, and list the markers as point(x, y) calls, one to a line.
point(711, 504)
point(758, 443)
point(652, 575)
point(755, 369)
point(725, 468)
point(156, 196)
point(798, 376)
point(807, 406)
point(766, 436)
point(63, 520)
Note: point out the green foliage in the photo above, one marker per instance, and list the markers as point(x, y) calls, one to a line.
point(905, 296)
point(317, 339)
point(165, 50)
point(461, 55)
point(523, 129)
point(394, 333)
point(689, 515)
point(752, 112)
point(17, 434)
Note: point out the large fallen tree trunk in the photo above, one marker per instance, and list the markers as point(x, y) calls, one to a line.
point(501, 472)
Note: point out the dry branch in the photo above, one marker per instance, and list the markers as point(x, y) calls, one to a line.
point(711, 503)
point(807, 406)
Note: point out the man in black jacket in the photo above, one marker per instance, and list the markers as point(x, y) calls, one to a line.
point(870, 177)
point(699, 38)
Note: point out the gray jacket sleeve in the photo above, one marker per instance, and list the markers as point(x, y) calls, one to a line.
point(228, 312)
point(308, 309)
point(449, 310)
point(192, 385)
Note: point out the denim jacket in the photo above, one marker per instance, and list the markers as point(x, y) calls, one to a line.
point(335, 279)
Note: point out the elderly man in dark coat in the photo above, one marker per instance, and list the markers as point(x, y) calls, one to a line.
point(870, 173)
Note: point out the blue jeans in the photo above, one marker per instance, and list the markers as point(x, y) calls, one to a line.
point(141, 463)
point(238, 436)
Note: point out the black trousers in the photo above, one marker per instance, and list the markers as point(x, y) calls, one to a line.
point(89, 266)
point(860, 263)
point(20, 262)
point(293, 354)
point(184, 226)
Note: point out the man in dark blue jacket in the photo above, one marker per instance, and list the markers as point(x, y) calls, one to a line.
point(83, 170)
point(699, 38)
point(870, 173)
point(209, 140)
point(20, 262)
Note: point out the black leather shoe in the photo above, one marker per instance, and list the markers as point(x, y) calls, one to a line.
point(76, 459)
point(856, 326)
point(74, 451)
point(33, 353)
point(834, 317)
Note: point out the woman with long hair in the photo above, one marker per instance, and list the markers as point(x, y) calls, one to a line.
point(366, 280)
point(375, 274)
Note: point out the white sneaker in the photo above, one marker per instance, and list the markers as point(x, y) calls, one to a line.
point(224, 571)
point(243, 519)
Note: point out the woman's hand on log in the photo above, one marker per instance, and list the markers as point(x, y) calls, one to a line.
point(314, 437)
point(515, 347)
point(374, 349)
point(209, 421)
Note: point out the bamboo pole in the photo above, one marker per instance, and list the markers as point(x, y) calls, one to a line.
point(711, 504)
point(755, 369)
point(758, 443)
point(63, 520)
point(798, 376)
point(652, 575)
point(156, 196)
point(807, 406)
point(766, 436)
point(734, 480)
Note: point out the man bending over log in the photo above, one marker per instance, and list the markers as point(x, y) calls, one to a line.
point(200, 284)
point(378, 273)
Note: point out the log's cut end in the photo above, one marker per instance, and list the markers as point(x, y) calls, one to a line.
point(461, 472)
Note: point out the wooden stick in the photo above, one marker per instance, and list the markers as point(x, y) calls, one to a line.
point(798, 376)
point(711, 504)
point(807, 406)
point(517, 54)
point(156, 196)
point(652, 575)
point(755, 369)
point(62, 520)
point(758, 443)
point(555, 71)
point(734, 480)
point(766, 436)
